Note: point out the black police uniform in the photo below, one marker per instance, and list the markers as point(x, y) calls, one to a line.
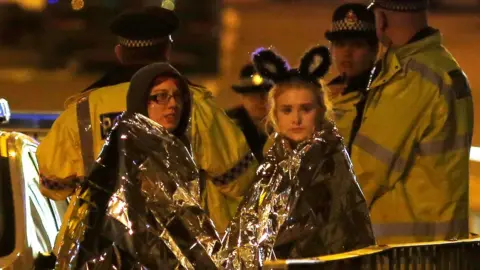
point(256, 138)
point(142, 28)
point(351, 21)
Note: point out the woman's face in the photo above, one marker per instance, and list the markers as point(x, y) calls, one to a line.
point(296, 112)
point(165, 104)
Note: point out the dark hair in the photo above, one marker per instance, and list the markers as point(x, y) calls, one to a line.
point(155, 53)
point(140, 89)
point(182, 85)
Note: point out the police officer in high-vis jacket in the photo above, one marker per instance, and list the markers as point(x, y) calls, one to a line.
point(354, 47)
point(249, 116)
point(76, 138)
point(411, 153)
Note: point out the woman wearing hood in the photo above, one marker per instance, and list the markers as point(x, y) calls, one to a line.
point(145, 188)
point(306, 202)
point(159, 92)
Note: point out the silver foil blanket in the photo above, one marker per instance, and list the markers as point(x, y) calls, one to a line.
point(140, 207)
point(305, 203)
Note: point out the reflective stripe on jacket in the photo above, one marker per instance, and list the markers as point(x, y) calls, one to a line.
point(348, 102)
point(344, 113)
point(411, 154)
point(218, 146)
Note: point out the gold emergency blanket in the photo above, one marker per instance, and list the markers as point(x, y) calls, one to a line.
point(140, 207)
point(305, 203)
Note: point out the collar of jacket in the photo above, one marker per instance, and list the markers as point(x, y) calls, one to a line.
point(425, 32)
point(395, 59)
point(116, 75)
point(358, 83)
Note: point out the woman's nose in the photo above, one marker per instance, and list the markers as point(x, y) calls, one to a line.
point(172, 102)
point(297, 118)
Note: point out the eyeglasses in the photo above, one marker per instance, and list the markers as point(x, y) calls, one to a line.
point(164, 97)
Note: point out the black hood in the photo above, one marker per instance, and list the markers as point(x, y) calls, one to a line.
point(140, 88)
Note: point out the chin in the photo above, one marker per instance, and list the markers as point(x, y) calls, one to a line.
point(297, 138)
point(170, 128)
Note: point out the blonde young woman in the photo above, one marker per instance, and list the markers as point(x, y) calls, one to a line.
point(306, 201)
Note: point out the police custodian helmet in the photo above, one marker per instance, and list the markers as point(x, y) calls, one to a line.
point(400, 5)
point(251, 81)
point(352, 20)
point(146, 27)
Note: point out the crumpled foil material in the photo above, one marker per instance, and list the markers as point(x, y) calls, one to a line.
point(306, 203)
point(140, 206)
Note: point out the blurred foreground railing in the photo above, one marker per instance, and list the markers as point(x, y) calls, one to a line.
point(442, 255)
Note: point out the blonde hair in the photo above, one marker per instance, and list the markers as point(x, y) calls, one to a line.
point(319, 96)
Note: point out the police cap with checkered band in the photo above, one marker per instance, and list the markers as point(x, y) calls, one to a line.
point(400, 5)
point(251, 81)
point(352, 20)
point(146, 27)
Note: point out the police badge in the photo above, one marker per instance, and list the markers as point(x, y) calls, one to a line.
point(351, 19)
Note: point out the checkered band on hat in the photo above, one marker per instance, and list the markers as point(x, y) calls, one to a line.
point(343, 25)
point(236, 171)
point(402, 6)
point(132, 43)
point(57, 185)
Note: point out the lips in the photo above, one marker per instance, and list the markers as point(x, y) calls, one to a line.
point(297, 130)
point(170, 117)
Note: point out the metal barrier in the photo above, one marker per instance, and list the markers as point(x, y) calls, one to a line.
point(441, 255)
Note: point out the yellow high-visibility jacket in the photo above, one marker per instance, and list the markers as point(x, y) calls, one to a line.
point(411, 153)
point(347, 103)
point(344, 113)
point(218, 146)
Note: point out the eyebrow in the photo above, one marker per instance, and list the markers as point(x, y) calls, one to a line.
point(301, 104)
point(164, 90)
